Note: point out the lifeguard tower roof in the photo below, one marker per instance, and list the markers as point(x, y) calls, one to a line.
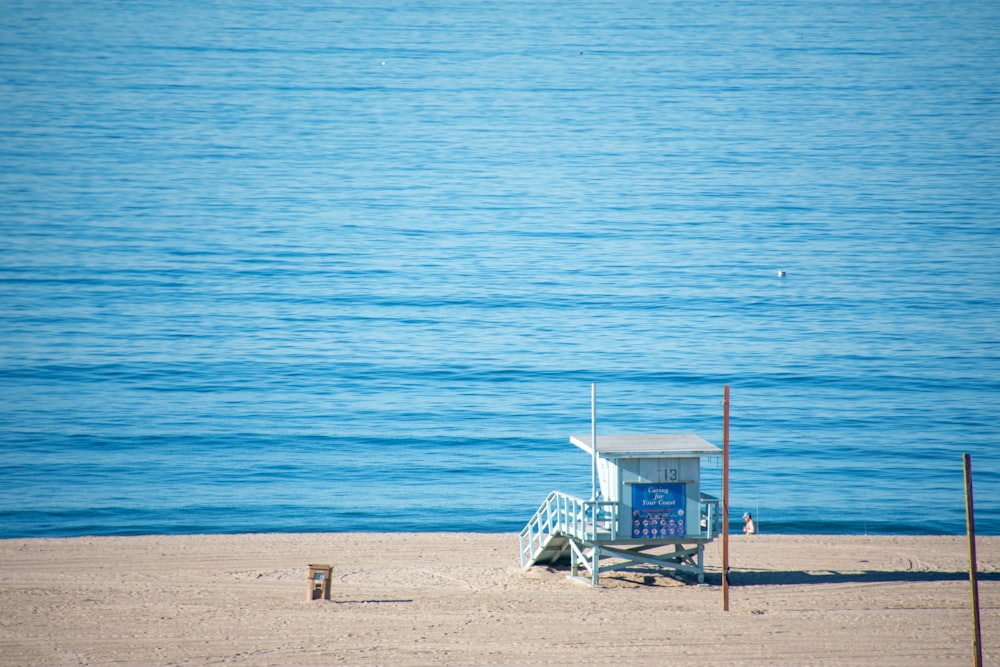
point(638, 446)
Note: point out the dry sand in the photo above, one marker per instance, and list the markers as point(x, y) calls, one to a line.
point(462, 599)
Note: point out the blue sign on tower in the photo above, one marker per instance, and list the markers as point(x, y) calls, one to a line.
point(658, 511)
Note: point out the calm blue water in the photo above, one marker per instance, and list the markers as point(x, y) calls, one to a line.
point(354, 266)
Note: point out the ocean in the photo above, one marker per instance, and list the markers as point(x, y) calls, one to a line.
point(327, 266)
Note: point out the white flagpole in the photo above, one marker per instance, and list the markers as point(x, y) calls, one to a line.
point(593, 441)
point(596, 555)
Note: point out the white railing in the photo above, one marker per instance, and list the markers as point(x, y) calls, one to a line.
point(565, 515)
point(562, 515)
point(711, 517)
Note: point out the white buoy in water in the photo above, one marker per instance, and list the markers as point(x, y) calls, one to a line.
point(781, 274)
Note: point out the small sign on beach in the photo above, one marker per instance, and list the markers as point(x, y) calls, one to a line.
point(319, 581)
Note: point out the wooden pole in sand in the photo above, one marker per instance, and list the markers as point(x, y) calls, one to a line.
point(970, 526)
point(725, 499)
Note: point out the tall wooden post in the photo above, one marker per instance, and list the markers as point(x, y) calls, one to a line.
point(725, 499)
point(970, 526)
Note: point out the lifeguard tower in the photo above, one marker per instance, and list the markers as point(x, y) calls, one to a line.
point(650, 510)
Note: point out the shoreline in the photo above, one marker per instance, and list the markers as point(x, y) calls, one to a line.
point(462, 598)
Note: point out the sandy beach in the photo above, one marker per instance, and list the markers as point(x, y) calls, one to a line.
point(462, 599)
